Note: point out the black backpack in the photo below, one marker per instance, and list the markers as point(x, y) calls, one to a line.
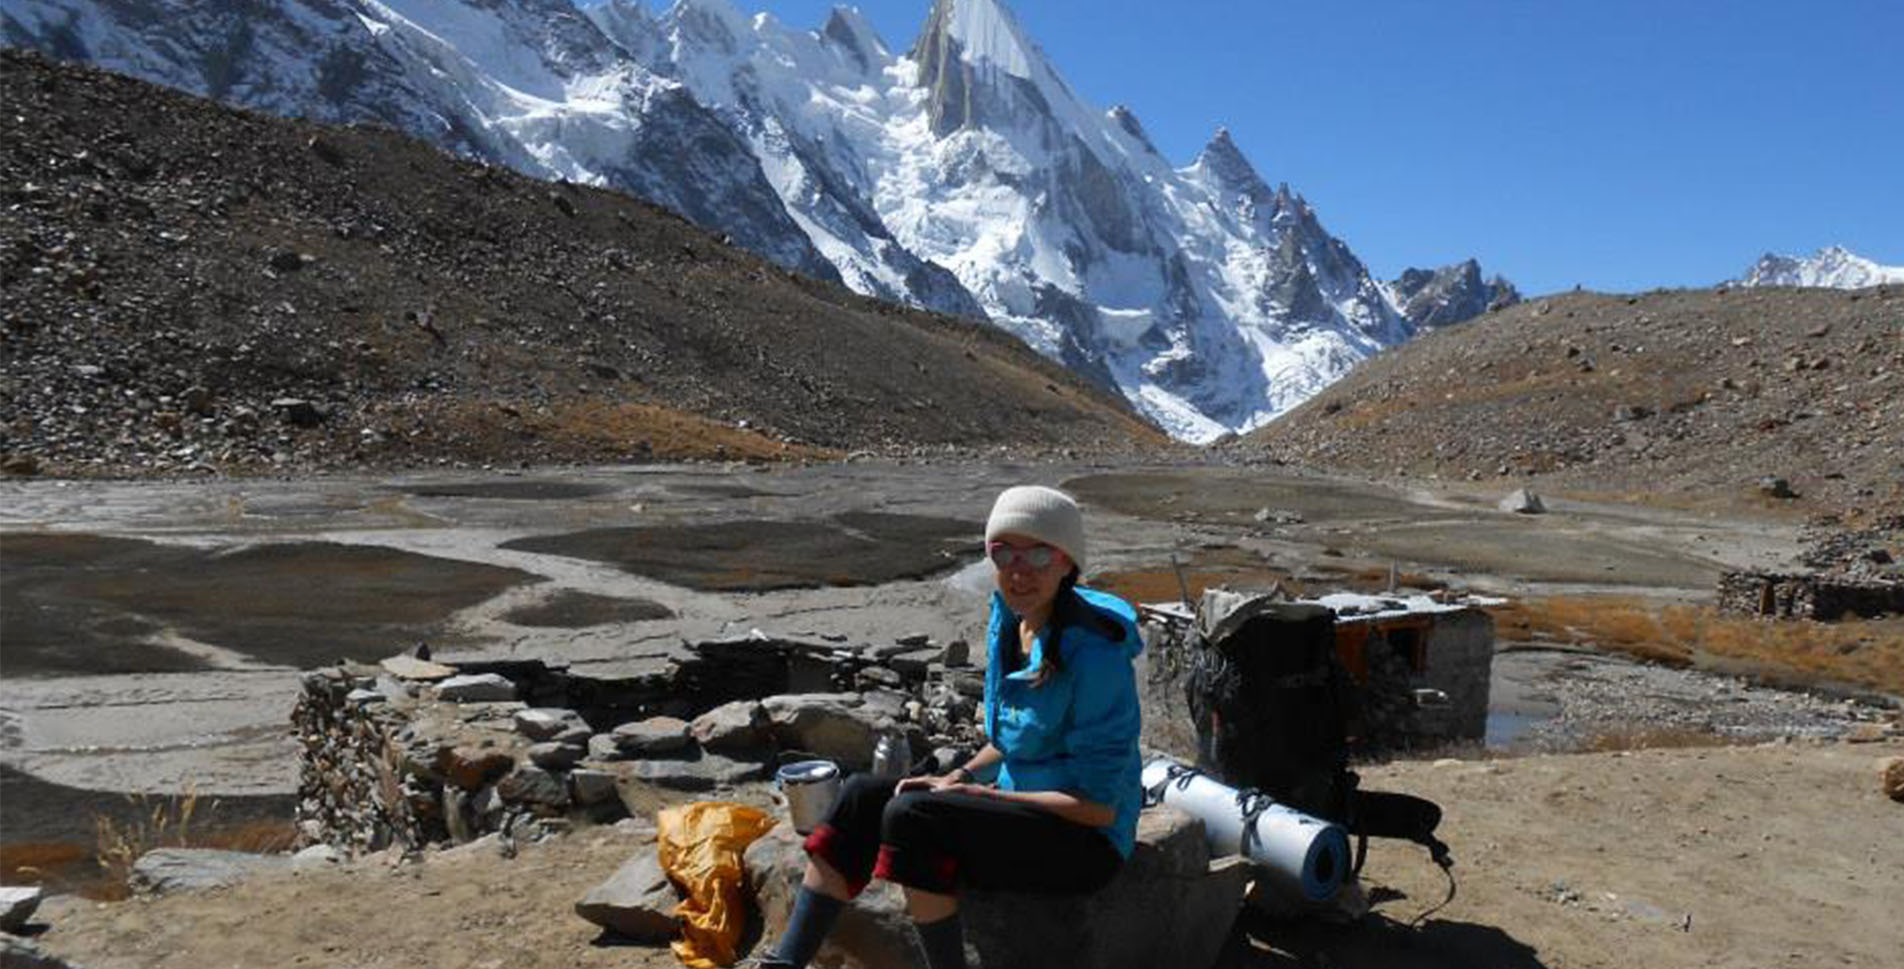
point(1272, 705)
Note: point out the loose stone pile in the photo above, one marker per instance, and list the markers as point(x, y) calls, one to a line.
point(411, 752)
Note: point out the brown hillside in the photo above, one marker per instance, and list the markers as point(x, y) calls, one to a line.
point(1688, 396)
point(169, 268)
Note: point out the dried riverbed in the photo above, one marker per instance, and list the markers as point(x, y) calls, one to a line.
point(152, 631)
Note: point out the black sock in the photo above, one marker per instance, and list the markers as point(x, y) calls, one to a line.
point(943, 942)
point(813, 917)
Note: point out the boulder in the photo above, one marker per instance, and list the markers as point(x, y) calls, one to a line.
point(873, 932)
point(317, 857)
point(556, 756)
point(968, 685)
point(548, 723)
point(22, 954)
point(406, 667)
point(702, 773)
point(590, 786)
point(836, 726)
point(1891, 778)
point(1523, 502)
point(17, 905)
point(913, 663)
point(602, 746)
point(298, 412)
point(652, 737)
point(476, 688)
point(957, 653)
point(884, 705)
point(636, 902)
point(163, 870)
point(736, 728)
point(491, 845)
point(1169, 906)
point(529, 784)
point(471, 767)
point(878, 676)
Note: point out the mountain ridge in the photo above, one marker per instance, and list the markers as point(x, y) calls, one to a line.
point(1832, 267)
point(1691, 397)
point(188, 286)
point(964, 176)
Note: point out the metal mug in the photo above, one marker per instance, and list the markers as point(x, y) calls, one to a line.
point(810, 787)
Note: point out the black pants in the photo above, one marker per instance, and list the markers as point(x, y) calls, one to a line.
point(939, 842)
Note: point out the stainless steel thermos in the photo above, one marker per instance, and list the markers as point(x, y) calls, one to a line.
point(892, 755)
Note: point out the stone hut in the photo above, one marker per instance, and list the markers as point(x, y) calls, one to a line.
point(1772, 595)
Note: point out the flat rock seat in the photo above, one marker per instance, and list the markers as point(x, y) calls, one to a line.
point(1171, 905)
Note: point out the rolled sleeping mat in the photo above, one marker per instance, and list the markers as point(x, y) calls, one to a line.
point(1303, 855)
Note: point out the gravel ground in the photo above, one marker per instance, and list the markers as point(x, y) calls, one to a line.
point(1552, 700)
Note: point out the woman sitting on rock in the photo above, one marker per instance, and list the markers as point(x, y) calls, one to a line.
point(1050, 804)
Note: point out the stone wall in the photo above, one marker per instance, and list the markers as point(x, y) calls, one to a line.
point(1820, 597)
point(1450, 654)
point(411, 752)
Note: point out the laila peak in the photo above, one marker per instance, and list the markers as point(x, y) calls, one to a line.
point(963, 175)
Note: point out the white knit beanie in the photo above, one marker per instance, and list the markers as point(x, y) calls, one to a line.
point(1046, 514)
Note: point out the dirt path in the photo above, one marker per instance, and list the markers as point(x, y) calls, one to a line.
point(1768, 856)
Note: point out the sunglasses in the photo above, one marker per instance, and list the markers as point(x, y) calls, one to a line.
point(1036, 557)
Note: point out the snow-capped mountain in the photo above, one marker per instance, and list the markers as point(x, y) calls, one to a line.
point(1833, 267)
point(963, 175)
point(1431, 298)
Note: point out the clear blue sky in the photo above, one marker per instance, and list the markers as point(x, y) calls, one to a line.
point(1618, 144)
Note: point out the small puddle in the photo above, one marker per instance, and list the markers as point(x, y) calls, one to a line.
point(1505, 728)
point(569, 609)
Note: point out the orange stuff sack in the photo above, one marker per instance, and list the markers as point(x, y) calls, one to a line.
point(700, 846)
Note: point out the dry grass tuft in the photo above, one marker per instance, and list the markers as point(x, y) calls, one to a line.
point(1161, 585)
point(158, 821)
point(1867, 652)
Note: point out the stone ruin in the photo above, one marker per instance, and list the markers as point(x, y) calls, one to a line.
point(410, 752)
point(1816, 596)
point(1419, 667)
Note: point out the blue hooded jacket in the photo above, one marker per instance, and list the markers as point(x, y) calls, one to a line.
point(1078, 732)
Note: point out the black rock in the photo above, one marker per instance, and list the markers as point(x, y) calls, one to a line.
point(298, 412)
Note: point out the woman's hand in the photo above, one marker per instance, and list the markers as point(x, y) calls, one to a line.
point(943, 782)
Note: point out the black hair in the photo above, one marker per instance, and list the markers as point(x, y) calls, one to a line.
point(1069, 609)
